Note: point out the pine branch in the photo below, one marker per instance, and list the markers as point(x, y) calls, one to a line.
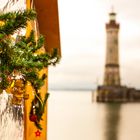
point(40, 43)
point(22, 56)
point(38, 125)
point(15, 21)
point(45, 100)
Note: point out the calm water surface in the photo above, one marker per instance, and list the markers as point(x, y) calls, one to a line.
point(73, 116)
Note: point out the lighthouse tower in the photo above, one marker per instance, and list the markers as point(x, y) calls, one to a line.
point(112, 74)
point(112, 90)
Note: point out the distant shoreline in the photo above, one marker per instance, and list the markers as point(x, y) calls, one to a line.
point(70, 89)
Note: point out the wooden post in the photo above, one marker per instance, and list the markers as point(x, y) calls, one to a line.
point(49, 27)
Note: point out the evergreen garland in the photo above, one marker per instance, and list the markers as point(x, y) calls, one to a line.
point(11, 22)
point(21, 56)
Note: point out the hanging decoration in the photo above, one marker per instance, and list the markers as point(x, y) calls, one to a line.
point(37, 133)
point(20, 63)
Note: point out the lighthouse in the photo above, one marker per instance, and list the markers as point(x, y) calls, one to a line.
point(112, 72)
point(112, 90)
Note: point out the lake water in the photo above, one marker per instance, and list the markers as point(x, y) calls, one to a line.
point(73, 116)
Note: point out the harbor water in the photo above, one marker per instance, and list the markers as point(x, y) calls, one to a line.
point(72, 115)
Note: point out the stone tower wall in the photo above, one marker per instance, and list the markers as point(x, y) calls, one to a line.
point(112, 74)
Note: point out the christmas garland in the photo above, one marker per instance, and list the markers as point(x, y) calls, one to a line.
point(19, 58)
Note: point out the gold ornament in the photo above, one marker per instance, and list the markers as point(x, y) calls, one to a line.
point(18, 90)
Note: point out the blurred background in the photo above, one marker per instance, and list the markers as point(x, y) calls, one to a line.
point(83, 42)
point(73, 114)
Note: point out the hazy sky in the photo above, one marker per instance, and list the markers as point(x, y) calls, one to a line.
point(83, 42)
point(83, 39)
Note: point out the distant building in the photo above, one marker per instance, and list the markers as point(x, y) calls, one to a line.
point(112, 90)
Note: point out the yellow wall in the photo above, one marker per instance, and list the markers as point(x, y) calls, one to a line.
point(29, 127)
point(48, 25)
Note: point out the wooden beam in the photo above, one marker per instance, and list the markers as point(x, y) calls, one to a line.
point(48, 20)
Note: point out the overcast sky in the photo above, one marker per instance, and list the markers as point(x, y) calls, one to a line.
point(83, 39)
